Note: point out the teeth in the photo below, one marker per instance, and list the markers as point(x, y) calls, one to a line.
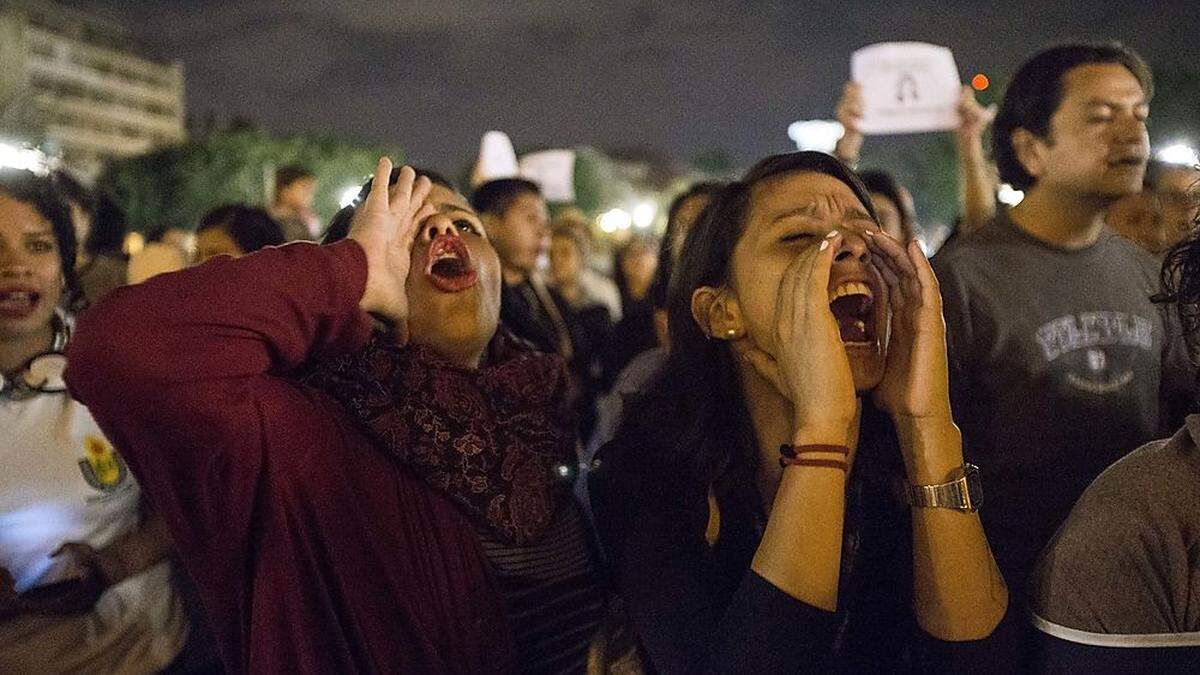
point(446, 254)
point(851, 288)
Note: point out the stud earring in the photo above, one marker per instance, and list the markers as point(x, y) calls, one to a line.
point(731, 333)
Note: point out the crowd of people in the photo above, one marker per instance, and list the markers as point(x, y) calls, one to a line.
point(433, 437)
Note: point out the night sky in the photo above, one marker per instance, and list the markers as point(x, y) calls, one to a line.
point(676, 78)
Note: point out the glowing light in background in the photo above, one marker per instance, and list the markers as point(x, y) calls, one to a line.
point(643, 215)
point(348, 195)
point(1007, 195)
point(615, 219)
point(24, 157)
point(980, 82)
point(1179, 153)
point(819, 135)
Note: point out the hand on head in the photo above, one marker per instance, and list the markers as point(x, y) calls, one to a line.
point(386, 226)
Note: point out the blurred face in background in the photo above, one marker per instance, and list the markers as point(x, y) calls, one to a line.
point(520, 234)
point(638, 265)
point(31, 275)
point(566, 261)
point(1159, 217)
point(298, 194)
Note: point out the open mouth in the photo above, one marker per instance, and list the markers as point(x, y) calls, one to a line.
point(18, 303)
point(853, 306)
point(448, 264)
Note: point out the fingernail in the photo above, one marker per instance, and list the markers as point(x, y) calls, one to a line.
point(824, 245)
point(832, 234)
point(869, 233)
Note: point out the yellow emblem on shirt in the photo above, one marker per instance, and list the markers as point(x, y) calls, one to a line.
point(102, 467)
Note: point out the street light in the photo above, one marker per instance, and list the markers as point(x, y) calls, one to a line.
point(348, 195)
point(643, 215)
point(23, 157)
point(615, 219)
point(1179, 153)
point(819, 135)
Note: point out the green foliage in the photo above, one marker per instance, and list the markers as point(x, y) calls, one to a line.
point(926, 164)
point(599, 184)
point(173, 187)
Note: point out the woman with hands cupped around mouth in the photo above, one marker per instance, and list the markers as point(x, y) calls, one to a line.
point(359, 468)
point(792, 495)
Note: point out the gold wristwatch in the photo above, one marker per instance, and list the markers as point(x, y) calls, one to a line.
point(962, 492)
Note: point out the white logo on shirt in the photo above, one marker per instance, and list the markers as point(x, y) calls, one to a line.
point(1094, 329)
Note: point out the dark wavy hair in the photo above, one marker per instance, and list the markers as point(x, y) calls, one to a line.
point(695, 408)
point(1180, 286)
point(1036, 91)
point(252, 229)
point(339, 227)
point(46, 196)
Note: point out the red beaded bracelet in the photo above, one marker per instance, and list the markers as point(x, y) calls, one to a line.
point(793, 455)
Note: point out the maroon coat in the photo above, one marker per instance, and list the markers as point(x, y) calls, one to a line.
point(313, 551)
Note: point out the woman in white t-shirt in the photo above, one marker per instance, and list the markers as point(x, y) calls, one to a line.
point(85, 585)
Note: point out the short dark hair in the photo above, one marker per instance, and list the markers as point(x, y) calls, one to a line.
point(497, 196)
point(884, 183)
point(45, 195)
point(1036, 91)
point(290, 173)
point(251, 228)
point(339, 227)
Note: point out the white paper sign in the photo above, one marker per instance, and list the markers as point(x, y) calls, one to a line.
point(497, 159)
point(907, 87)
point(553, 171)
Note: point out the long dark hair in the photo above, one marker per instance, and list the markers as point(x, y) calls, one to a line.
point(1180, 286)
point(695, 408)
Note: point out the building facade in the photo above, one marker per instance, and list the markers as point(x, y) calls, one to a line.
point(77, 82)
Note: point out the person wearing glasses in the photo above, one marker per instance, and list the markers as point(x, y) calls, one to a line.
point(85, 585)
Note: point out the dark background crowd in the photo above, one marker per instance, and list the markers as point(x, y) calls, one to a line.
point(464, 426)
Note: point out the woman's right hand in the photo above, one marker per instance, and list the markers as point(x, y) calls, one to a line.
point(385, 225)
point(810, 366)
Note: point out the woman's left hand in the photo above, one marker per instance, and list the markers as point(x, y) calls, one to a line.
point(915, 386)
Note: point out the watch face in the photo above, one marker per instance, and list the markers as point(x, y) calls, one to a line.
point(974, 485)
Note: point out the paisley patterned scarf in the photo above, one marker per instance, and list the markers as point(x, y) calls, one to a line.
point(492, 439)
